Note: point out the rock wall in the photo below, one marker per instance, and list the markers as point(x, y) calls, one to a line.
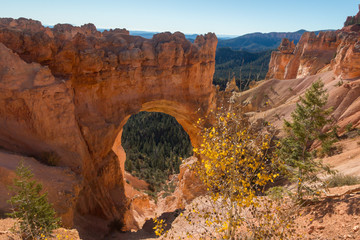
point(280, 59)
point(312, 54)
point(347, 60)
point(70, 90)
point(332, 50)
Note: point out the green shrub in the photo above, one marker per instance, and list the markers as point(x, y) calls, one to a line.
point(276, 193)
point(31, 207)
point(168, 189)
point(339, 83)
point(339, 180)
point(152, 194)
point(165, 194)
point(49, 158)
point(349, 127)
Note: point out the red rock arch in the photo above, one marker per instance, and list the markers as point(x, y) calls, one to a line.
point(71, 89)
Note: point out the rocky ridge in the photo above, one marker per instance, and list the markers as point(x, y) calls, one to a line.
point(331, 50)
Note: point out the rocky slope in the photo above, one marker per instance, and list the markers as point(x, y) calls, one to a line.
point(6, 232)
point(330, 56)
point(70, 90)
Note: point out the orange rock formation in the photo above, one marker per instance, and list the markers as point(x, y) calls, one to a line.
point(311, 54)
point(70, 90)
point(332, 50)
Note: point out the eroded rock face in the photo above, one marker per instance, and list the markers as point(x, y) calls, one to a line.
point(70, 90)
point(61, 184)
point(352, 20)
point(347, 61)
point(280, 59)
point(332, 50)
point(338, 51)
point(286, 46)
point(335, 50)
point(311, 54)
point(188, 187)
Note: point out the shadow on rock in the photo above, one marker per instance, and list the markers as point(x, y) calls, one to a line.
point(147, 232)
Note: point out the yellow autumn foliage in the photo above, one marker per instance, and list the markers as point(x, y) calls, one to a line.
point(236, 162)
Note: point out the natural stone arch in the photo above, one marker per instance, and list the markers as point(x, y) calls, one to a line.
point(180, 112)
point(186, 116)
point(71, 89)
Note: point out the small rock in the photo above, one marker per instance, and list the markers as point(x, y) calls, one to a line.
point(356, 228)
point(321, 227)
point(311, 230)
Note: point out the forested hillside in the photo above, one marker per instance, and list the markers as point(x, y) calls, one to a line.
point(258, 42)
point(245, 66)
point(154, 143)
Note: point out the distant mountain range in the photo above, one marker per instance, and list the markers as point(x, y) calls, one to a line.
point(256, 42)
point(247, 57)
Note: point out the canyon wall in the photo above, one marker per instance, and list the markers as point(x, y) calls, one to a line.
point(69, 91)
point(331, 50)
point(332, 56)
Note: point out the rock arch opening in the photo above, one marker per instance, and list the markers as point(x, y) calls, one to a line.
point(184, 118)
point(154, 144)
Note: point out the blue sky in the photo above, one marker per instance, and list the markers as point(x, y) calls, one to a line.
point(189, 16)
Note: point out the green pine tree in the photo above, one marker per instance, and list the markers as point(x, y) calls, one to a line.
point(308, 121)
point(35, 214)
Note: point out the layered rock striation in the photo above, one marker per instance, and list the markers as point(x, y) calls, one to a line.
point(70, 90)
point(280, 59)
point(312, 54)
point(331, 50)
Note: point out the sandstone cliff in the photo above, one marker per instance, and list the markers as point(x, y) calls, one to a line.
point(312, 54)
point(332, 50)
point(333, 56)
point(70, 90)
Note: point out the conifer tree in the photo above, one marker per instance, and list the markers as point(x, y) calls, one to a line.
point(36, 216)
point(308, 121)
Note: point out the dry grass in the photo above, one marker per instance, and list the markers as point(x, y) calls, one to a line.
point(339, 180)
